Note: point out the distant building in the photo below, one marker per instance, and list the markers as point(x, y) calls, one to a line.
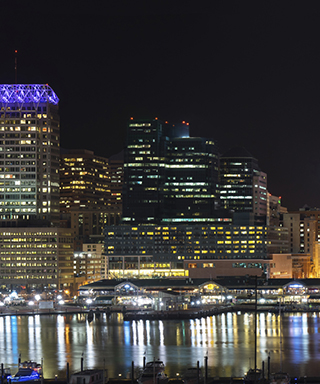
point(275, 210)
point(29, 155)
point(86, 201)
point(168, 176)
point(37, 257)
point(302, 232)
point(303, 227)
point(84, 180)
point(243, 186)
point(88, 263)
point(115, 166)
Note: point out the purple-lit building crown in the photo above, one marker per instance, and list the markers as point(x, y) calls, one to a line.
point(27, 93)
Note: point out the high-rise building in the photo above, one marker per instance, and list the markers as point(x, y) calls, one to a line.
point(243, 186)
point(168, 175)
point(84, 180)
point(85, 194)
point(29, 155)
point(190, 190)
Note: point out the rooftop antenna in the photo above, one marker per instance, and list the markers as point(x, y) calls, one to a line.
point(16, 65)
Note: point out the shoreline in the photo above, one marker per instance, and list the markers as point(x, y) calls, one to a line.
point(138, 314)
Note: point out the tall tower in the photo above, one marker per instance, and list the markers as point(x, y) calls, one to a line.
point(144, 171)
point(168, 175)
point(190, 190)
point(29, 155)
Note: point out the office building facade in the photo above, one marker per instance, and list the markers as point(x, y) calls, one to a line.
point(168, 175)
point(243, 186)
point(29, 155)
point(36, 257)
point(86, 202)
point(169, 247)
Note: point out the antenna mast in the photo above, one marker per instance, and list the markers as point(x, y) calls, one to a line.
point(16, 65)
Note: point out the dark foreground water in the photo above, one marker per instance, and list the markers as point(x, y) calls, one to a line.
point(227, 340)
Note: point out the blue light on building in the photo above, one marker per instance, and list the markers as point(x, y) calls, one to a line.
point(27, 93)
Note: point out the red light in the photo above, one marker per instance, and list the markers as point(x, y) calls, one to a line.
point(15, 51)
point(166, 122)
point(156, 118)
point(131, 118)
point(187, 123)
point(183, 122)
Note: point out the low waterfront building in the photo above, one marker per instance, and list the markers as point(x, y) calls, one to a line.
point(149, 250)
point(236, 289)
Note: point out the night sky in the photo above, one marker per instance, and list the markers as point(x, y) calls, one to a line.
point(241, 72)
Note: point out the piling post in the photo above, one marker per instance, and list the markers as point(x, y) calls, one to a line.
point(198, 372)
point(268, 367)
point(144, 362)
point(263, 370)
point(206, 370)
point(42, 370)
point(81, 364)
point(2, 373)
point(67, 373)
point(132, 372)
point(19, 360)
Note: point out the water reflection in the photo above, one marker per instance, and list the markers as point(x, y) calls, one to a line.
point(227, 340)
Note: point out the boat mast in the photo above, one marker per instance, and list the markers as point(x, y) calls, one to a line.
point(255, 323)
point(280, 327)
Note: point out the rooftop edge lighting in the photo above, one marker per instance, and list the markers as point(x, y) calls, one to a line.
point(27, 93)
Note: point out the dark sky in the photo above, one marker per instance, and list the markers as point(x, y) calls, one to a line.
point(244, 73)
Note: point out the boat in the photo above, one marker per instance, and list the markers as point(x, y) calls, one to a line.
point(158, 365)
point(193, 376)
point(253, 376)
point(280, 378)
point(27, 371)
point(148, 376)
point(153, 373)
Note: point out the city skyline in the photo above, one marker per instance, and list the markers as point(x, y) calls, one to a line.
point(240, 74)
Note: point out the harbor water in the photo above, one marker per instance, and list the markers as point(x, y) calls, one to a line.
point(109, 342)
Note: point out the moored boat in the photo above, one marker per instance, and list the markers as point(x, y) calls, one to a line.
point(253, 376)
point(153, 373)
point(280, 378)
point(27, 371)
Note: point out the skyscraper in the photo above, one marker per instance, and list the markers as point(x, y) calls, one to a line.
point(29, 155)
point(41, 255)
point(85, 193)
point(168, 175)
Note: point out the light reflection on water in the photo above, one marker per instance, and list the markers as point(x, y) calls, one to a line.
point(227, 340)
